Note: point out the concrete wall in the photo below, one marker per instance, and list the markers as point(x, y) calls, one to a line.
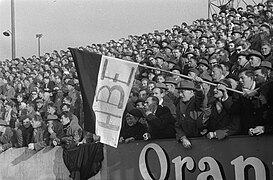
point(24, 164)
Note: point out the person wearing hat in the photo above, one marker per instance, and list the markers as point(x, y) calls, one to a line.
point(193, 72)
point(6, 136)
point(190, 116)
point(241, 63)
point(203, 66)
point(236, 34)
point(262, 73)
point(55, 129)
point(132, 129)
point(139, 103)
point(222, 122)
point(159, 119)
point(211, 49)
point(161, 58)
point(171, 92)
point(155, 48)
point(171, 62)
point(168, 51)
point(175, 73)
point(198, 32)
point(160, 92)
point(255, 58)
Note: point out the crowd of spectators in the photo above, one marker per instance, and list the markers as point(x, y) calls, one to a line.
point(41, 102)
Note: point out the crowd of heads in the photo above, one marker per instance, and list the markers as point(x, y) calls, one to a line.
point(232, 50)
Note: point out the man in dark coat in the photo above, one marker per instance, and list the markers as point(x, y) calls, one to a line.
point(222, 122)
point(189, 113)
point(250, 106)
point(27, 131)
point(132, 129)
point(159, 118)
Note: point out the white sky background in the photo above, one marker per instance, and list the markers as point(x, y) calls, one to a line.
point(74, 23)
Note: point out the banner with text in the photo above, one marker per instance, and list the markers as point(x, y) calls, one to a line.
point(234, 158)
point(115, 80)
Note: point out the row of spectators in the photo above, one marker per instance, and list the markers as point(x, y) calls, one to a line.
point(41, 103)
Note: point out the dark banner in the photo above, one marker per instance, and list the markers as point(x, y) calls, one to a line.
point(235, 158)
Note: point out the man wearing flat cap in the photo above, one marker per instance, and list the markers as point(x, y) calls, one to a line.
point(203, 66)
point(132, 128)
point(190, 116)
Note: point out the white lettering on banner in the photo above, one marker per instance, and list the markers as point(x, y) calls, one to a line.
point(240, 165)
point(162, 159)
point(178, 165)
point(213, 171)
point(115, 81)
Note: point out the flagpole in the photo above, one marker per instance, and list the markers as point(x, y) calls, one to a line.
point(190, 78)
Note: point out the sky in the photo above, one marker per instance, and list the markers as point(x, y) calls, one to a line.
point(74, 23)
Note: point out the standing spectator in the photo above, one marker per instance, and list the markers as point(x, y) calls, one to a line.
point(222, 122)
point(189, 114)
point(250, 107)
point(160, 93)
point(159, 119)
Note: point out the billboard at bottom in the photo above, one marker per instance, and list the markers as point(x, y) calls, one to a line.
point(234, 158)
